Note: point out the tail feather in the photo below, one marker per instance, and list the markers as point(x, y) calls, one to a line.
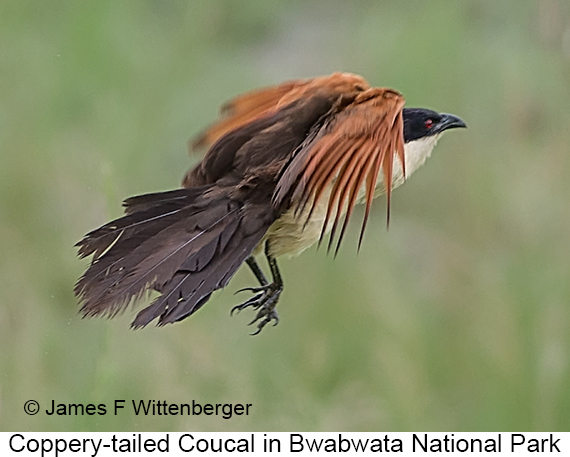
point(188, 290)
point(143, 202)
point(184, 244)
point(145, 213)
point(120, 246)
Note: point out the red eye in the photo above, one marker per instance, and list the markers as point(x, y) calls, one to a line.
point(429, 123)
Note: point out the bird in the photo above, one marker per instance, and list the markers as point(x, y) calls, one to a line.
point(284, 167)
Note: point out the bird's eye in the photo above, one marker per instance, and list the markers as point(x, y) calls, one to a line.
point(429, 124)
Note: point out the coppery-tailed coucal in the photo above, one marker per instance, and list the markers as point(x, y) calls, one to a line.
point(285, 166)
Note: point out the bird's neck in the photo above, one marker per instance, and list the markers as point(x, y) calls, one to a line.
point(416, 153)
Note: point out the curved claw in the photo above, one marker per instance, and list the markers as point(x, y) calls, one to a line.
point(253, 289)
point(253, 301)
point(233, 310)
point(267, 312)
point(264, 301)
point(270, 316)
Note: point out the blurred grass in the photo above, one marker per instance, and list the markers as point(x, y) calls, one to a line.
point(458, 318)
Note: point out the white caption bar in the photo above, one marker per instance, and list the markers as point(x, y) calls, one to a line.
point(297, 443)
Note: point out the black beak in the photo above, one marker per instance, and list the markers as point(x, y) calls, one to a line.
point(449, 121)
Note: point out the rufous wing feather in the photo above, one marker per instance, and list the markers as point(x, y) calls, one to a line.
point(345, 157)
point(252, 105)
point(244, 109)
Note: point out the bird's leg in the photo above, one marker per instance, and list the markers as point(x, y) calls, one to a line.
point(258, 272)
point(266, 295)
point(252, 264)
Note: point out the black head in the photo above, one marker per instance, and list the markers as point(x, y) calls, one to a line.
point(420, 122)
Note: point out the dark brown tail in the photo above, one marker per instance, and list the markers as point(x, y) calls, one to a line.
point(185, 244)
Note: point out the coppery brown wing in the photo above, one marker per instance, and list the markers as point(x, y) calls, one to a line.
point(346, 156)
point(259, 106)
point(243, 109)
point(252, 105)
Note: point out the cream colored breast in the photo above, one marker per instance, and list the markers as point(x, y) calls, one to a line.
point(291, 234)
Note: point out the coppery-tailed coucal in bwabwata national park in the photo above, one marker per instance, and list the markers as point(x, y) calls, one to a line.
point(285, 165)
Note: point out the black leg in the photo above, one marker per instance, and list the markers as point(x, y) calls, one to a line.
point(275, 273)
point(258, 272)
point(266, 296)
point(252, 263)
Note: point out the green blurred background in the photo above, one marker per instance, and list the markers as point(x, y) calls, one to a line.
point(456, 319)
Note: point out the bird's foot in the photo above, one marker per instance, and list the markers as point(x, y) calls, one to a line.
point(264, 300)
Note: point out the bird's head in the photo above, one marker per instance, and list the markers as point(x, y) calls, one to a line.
point(422, 129)
point(420, 123)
